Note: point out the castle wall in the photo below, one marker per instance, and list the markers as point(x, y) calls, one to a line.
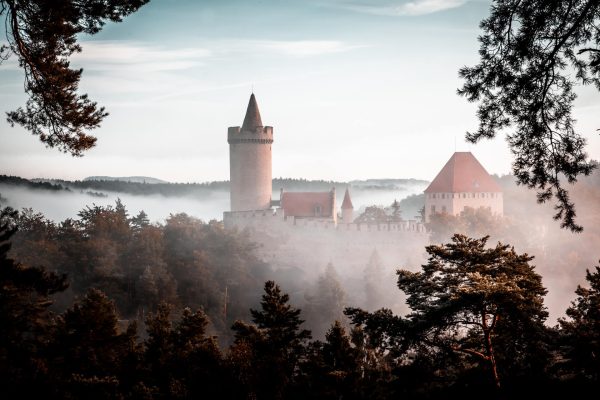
point(309, 244)
point(438, 203)
point(250, 168)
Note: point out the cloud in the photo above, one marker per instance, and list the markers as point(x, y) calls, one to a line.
point(129, 68)
point(305, 48)
point(120, 55)
point(117, 55)
point(403, 8)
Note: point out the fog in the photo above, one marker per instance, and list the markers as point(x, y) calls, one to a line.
point(368, 280)
point(60, 205)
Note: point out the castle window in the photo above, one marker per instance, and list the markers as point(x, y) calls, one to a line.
point(464, 195)
point(432, 209)
point(317, 210)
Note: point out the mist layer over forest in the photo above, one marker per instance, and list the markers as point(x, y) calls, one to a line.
point(58, 199)
point(139, 281)
point(561, 257)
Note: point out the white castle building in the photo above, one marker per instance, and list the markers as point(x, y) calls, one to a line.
point(462, 183)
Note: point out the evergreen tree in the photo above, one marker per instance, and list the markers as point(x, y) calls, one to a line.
point(43, 35)
point(341, 360)
point(374, 282)
point(182, 361)
point(396, 212)
point(532, 54)
point(25, 321)
point(89, 350)
point(273, 347)
point(581, 330)
point(326, 303)
point(331, 369)
point(484, 303)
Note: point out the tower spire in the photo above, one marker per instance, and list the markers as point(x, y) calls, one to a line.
point(252, 119)
point(347, 203)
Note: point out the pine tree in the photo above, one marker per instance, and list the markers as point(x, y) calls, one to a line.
point(484, 303)
point(326, 303)
point(25, 319)
point(274, 345)
point(182, 361)
point(43, 35)
point(373, 279)
point(90, 351)
point(581, 330)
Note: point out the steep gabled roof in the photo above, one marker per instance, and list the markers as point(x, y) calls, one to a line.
point(252, 119)
point(463, 173)
point(304, 204)
point(347, 203)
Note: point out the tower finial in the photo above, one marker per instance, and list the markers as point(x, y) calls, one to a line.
point(252, 119)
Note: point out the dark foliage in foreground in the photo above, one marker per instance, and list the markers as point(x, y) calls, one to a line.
point(185, 262)
point(532, 55)
point(43, 35)
point(474, 309)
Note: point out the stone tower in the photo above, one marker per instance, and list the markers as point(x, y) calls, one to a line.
point(250, 174)
point(347, 209)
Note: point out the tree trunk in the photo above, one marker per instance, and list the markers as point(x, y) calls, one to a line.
point(487, 333)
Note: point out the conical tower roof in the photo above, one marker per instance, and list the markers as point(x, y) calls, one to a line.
point(252, 119)
point(347, 203)
point(463, 173)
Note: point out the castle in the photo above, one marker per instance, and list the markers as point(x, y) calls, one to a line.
point(304, 229)
point(462, 183)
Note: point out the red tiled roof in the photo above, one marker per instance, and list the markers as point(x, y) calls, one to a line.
point(252, 119)
point(463, 173)
point(347, 203)
point(304, 204)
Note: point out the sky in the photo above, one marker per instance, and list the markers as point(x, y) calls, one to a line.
point(354, 89)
